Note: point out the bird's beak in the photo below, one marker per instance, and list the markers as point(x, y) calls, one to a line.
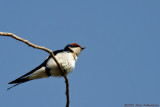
point(83, 48)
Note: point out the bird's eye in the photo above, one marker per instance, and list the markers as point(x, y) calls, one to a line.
point(73, 46)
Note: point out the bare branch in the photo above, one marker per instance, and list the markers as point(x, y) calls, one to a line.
point(47, 50)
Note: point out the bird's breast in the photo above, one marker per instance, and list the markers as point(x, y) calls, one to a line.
point(66, 61)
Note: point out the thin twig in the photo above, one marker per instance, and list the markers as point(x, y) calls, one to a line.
point(67, 91)
point(47, 50)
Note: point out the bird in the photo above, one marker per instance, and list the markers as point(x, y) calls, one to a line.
point(66, 57)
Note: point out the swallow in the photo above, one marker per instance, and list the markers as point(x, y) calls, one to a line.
point(66, 57)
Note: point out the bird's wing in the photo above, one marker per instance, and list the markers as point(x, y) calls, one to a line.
point(58, 51)
point(22, 78)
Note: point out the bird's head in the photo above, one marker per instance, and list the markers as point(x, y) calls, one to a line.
point(75, 48)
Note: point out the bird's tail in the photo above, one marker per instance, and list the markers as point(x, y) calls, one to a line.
point(13, 86)
point(18, 82)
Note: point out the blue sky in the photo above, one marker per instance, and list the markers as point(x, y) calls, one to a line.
point(119, 66)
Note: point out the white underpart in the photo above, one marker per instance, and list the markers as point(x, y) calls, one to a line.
point(40, 73)
point(66, 60)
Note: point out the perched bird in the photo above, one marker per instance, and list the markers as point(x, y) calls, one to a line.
point(66, 57)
